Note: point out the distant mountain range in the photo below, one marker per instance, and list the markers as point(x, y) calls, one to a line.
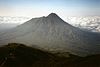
point(53, 34)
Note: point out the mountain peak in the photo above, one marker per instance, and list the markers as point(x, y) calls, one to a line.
point(55, 17)
point(52, 15)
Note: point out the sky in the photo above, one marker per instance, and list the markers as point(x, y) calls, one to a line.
point(37, 8)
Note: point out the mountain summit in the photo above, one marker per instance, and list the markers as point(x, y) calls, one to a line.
point(53, 15)
point(53, 34)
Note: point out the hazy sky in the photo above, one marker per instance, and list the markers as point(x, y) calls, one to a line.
point(35, 8)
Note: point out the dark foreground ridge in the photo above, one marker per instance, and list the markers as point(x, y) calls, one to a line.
point(19, 55)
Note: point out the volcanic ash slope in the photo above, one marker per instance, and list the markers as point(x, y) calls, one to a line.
point(51, 33)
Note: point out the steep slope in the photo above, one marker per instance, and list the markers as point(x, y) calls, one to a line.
point(51, 33)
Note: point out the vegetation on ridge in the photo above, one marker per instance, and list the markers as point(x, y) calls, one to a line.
point(19, 55)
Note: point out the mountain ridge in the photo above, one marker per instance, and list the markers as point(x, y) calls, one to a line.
point(20, 55)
